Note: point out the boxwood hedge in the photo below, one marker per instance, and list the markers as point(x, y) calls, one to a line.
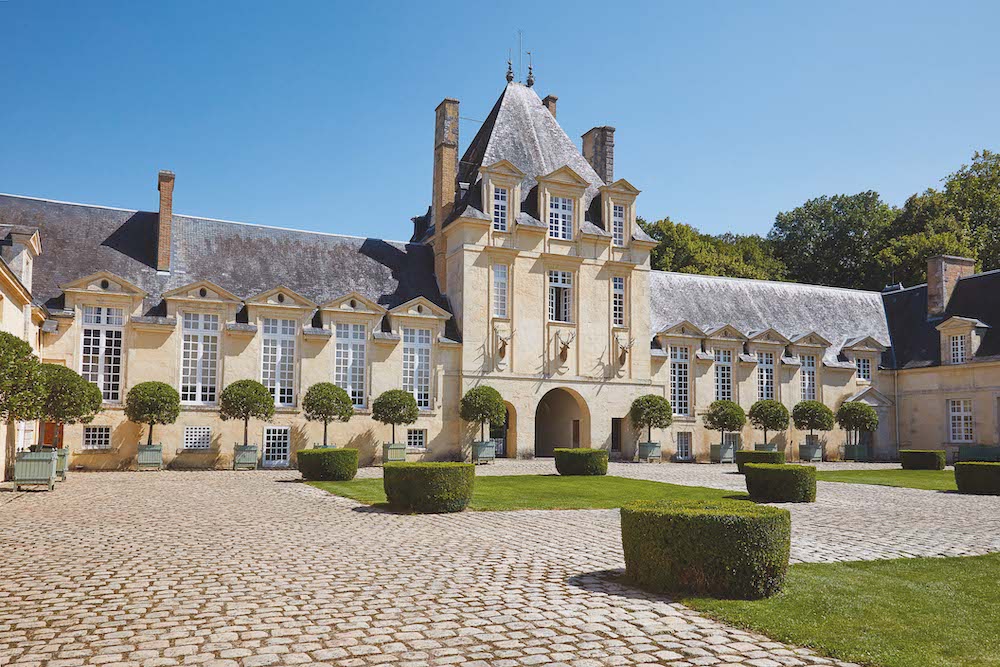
point(772, 483)
point(581, 461)
point(428, 488)
point(749, 456)
point(978, 477)
point(328, 464)
point(922, 459)
point(723, 548)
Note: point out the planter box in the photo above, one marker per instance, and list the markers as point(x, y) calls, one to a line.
point(724, 453)
point(484, 452)
point(62, 463)
point(857, 453)
point(811, 451)
point(149, 457)
point(978, 453)
point(649, 451)
point(245, 457)
point(392, 452)
point(35, 468)
point(765, 447)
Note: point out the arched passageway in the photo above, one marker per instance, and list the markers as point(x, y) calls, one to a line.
point(561, 420)
point(505, 434)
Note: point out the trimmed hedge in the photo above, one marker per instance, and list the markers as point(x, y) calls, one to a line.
point(750, 456)
point(922, 459)
point(772, 483)
point(581, 461)
point(723, 548)
point(978, 477)
point(429, 488)
point(328, 465)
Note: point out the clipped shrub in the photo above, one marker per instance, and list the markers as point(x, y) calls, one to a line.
point(723, 548)
point(747, 456)
point(649, 412)
point(769, 415)
point(482, 405)
point(152, 403)
point(778, 483)
point(328, 465)
point(855, 417)
point(581, 461)
point(395, 407)
point(922, 459)
point(812, 416)
point(978, 477)
point(429, 488)
point(725, 417)
point(326, 402)
point(244, 400)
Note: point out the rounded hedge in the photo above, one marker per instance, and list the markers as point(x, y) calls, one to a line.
point(749, 456)
point(428, 488)
point(724, 548)
point(774, 483)
point(978, 477)
point(328, 464)
point(581, 461)
point(922, 459)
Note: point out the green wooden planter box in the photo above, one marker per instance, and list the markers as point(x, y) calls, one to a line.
point(392, 452)
point(649, 451)
point(62, 463)
point(978, 453)
point(723, 453)
point(811, 451)
point(857, 453)
point(765, 447)
point(244, 457)
point(31, 468)
point(149, 457)
point(484, 452)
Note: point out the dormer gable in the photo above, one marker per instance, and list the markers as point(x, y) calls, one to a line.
point(503, 169)
point(684, 328)
point(621, 187)
point(565, 176)
point(768, 336)
point(811, 340)
point(420, 307)
point(353, 302)
point(104, 282)
point(863, 344)
point(726, 332)
point(201, 291)
point(281, 297)
point(961, 338)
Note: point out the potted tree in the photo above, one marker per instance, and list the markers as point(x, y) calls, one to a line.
point(326, 402)
point(812, 416)
point(649, 412)
point(395, 406)
point(855, 417)
point(725, 417)
point(151, 403)
point(480, 405)
point(244, 400)
point(20, 399)
point(67, 399)
point(768, 415)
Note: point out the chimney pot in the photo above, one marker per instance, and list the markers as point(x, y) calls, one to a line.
point(943, 274)
point(165, 184)
point(599, 151)
point(550, 104)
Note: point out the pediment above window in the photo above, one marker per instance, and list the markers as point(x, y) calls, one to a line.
point(683, 328)
point(565, 176)
point(863, 344)
point(104, 282)
point(281, 297)
point(726, 332)
point(202, 290)
point(958, 324)
point(503, 168)
point(621, 187)
point(768, 336)
point(420, 307)
point(810, 339)
point(353, 302)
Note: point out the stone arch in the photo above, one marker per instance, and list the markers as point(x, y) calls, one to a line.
point(562, 419)
point(507, 431)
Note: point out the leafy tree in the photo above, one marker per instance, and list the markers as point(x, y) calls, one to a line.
point(326, 402)
point(649, 412)
point(769, 415)
point(67, 398)
point(855, 417)
point(152, 403)
point(246, 399)
point(395, 407)
point(812, 416)
point(480, 405)
point(973, 197)
point(725, 417)
point(20, 390)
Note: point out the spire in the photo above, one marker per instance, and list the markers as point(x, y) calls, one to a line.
point(531, 75)
point(510, 71)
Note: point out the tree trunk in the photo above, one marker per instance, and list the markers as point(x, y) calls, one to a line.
point(246, 432)
point(394, 434)
point(324, 432)
point(149, 440)
point(765, 436)
point(482, 431)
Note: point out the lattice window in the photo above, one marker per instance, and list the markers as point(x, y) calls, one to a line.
point(618, 225)
point(197, 437)
point(959, 349)
point(864, 369)
point(278, 359)
point(765, 375)
point(277, 445)
point(500, 290)
point(808, 375)
point(560, 296)
point(961, 422)
point(561, 218)
point(618, 301)
point(684, 445)
point(500, 209)
point(199, 358)
point(417, 365)
point(416, 438)
point(680, 374)
point(723, 375)
point(101, 356)
point(97, 437)
point(350, 361)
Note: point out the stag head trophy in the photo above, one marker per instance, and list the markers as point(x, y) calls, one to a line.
point(503, 343)
point(623, 350)
point(564, 345)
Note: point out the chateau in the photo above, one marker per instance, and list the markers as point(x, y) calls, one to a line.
point(528, 273)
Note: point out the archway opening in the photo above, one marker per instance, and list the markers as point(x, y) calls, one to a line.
point(561, 420)
point(505, 434)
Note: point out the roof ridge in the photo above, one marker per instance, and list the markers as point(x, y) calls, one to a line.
point(768, 282)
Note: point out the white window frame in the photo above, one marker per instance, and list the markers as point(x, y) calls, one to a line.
point(961, 420)
point(278, 359)
point(959, 348)
point(105, 326)
point(25, 436)
point(197, 438)
point(684, 446)
point(96, 438)
point(560, 287)
point(501, 290)
point(281, 436)
point(561, 218)
point(618, 225)
point(417, 365)
point(765, 376)
point(618, 301)
point(864, 365)
point(200, 340)
point(350, 360)
point(723, 375)
point(808, 377)
point(416, 439)
point(680, 379)
point(501, 206)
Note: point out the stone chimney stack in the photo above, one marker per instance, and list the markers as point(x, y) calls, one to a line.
point(599, 150)
point(165, 221)
point(943, 273)
point(445, 161)
point(20, 249)
point(550, 104)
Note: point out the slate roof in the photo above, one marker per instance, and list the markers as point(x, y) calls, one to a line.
point(915, 340)
point(709, 302)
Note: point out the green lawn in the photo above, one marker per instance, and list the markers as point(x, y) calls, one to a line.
point(543, 492)
point(940, 612)
point(932, 480)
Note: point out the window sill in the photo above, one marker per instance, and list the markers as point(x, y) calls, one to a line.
point(416, 450)
point(687, 419)
point(200, 407)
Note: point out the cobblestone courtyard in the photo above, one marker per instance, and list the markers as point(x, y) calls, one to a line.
point(243, 569)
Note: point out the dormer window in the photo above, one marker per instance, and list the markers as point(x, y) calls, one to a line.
point(959, 349)
point(864, 369)
point(618, 225)
point(561, 218)
point(500, 209)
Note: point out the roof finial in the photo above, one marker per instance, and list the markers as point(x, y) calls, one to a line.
point(510, 70)
point(531, 75)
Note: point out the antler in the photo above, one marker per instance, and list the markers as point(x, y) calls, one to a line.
point(624, 350)
point(564, 344)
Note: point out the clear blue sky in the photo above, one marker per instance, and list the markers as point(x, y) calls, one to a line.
point(320, 115)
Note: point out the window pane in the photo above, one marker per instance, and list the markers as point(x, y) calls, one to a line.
point(618, 225)
point(561, 218)
point(350, 361)
point(765, 375)
point(723, 375)
point(679, 378)
point(500, 290)
point(278, 359)
point(500, 209)
point(417, 365)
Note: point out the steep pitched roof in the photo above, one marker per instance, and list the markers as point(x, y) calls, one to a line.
point(753, 305)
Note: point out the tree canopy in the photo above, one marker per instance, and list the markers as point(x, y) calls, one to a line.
point(769, 415)
point(725, 416)
point(483, 404)
point(855, 416)
point(244, 400)
point(649, 412)
point(326, 402)
point(66, 397)
point(20, 386)
point(812, 416)
point(395, 406)
point(152, 403)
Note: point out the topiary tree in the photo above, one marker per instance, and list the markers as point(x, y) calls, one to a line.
point(20, 395)
point(649, 412)
point(812, 416)
point(246, 399)
point(725, 417)
point(855, 417)
point(483, 404)
point(326, 402)
point(67, 398)
point(395, 406)
point(152, 403)
point(769, 415)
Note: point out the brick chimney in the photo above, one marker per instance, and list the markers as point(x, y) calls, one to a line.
point(550, 104)
point(165, 221)
point(445, 160)
point(943, 273)
point(599, 151)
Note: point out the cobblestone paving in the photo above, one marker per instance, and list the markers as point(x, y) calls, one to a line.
point(231, 569)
